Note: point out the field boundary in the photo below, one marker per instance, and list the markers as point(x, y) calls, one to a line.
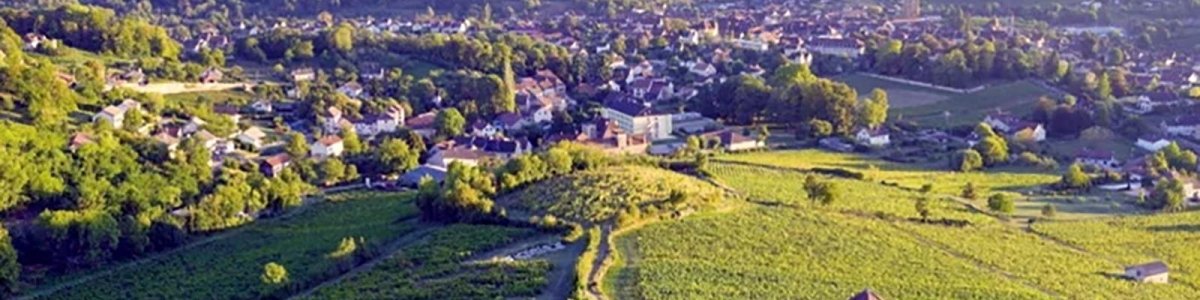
point(925, 84)
point(388, 251)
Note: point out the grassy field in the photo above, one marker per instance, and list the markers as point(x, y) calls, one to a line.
point(900, 95)
point(229, 268)
point(599, 195)
point(969, 109)
point(870, 237)
point(436, 268)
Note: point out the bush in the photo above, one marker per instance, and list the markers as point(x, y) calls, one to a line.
point(1001, 203)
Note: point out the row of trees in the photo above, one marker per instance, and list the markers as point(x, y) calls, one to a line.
point(793, 95)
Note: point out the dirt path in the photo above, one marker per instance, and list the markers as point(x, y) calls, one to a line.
point(389, 250)
point(308, 201)
point(598, 264)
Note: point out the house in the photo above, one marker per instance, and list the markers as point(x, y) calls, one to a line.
point(305, 74)
point(689, 123)
point(168, 141)
point(211, 75)
point(328, 146)
point(842, 47)
point(1186, 125)
point(230, 111)
point(352, 89)
point(262, 106)
point(733, 141)
point(275, 164)
point(115, 114)
point(1029, 131)
point(866, 294)
point(637, 117)
point(702, 69)
point(1100, 159)
point(1153, 272)
point(463, 155)
point(80, 139)
point(604, 135)
point(1002, 122)
point(1153, 143)
point(413, 178)
point(369, 124)
point(878, 137)
point(252, 137)
point(423, 124)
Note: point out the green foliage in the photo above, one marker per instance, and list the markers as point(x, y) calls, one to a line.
point(1001, 203)
point(601, 194)
point(395, 156)
point(97, 29)
point(993, 147)
point(466, 196)
point(969, 160)
point(1075, 178)
point(923, 209)
point(10, 268)
point(969, 191)
point(873, 112)
point(89, 236)
point(297, 145)
point(273, 273)
point(450, 123)
point(1049, 211)
point(232, 264)
point(351, 141)
point(1169, 195)
point(437, 268)
point(820, 191)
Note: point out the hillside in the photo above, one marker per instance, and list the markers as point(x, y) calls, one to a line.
point(873, 237)
point(598, 195)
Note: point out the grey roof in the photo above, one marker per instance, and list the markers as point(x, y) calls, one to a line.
point(414, 177)
point(1149, 269)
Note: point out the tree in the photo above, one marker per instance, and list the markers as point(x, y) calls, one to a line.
point(993, 147)
point(922, 206)
point(395, 156)
point(874, 111)
point(820, 191)
point(819, 128)
point(450, 123)
point(297, 145)
point(969, 191)
point(1049, 211)
point(762, 135)
point(969, 160)
point(274, 273)
point(1075, 178)
point(341, 38)
point(1168, 195)
point(333, 171)
point(351, 141)
point(558, 161)
point(10, 268)
point(1001, 203)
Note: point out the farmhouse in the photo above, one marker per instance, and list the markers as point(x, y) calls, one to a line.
point(274, 165)
point(252, 137)
point(1101, 159)
point(328, 146)
point(878, 137)
point(1154, 272)
point(115, 115)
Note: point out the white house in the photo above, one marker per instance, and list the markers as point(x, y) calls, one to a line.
point(115, 114)
point(873, 137)
point(328, 146)
point(733, 141)
point(1100, 159)
point(636, 117)
point(1153, 143)
point(370, 124)
point(843, 47)
point(702, 69)
point(1154, 272)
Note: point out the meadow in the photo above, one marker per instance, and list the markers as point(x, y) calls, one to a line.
point(969, 109)
point(229, 267)
point(437, 268)
point(900, 95)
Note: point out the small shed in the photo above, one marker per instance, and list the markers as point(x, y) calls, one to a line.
point(866, 294)
point(1154, 272)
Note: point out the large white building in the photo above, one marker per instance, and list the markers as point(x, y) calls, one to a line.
point(636, 117)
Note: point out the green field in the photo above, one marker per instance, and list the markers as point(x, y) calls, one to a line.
point(599, 195)
point(229, 267)
point(870, 237)
point(969, 109)
point(900, 95)
point(437, 268)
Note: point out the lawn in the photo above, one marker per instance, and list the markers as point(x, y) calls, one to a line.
point(438, 268)
point(969, 109)
point(229, 268)
point(900, 95)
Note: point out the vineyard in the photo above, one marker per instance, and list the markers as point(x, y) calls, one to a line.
point(910, 176)
point(1134, 240)
point(230, 268)
point(872, 236)
point(435, 269)
point(599, 195)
